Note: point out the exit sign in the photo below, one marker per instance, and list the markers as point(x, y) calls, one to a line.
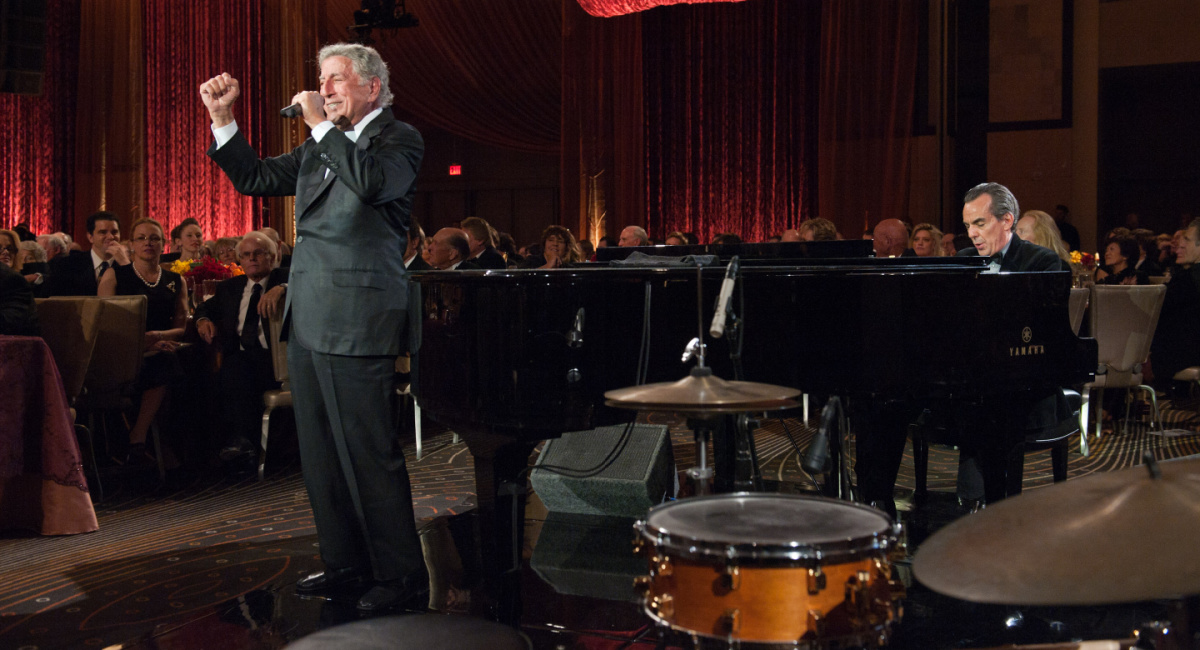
point(456, 170)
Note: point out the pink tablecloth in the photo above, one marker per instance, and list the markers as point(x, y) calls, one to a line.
point(42, 487)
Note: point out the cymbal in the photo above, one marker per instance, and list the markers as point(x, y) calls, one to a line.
point(1109, 538)
point(702, 392)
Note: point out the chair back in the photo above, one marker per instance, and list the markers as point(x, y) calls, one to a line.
point(69, 327)
point(1123, 321)
point(117, 357)
point(278, 350)
point(1077, 306)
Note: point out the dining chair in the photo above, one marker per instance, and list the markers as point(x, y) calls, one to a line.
point(1123, 320)
point(278, 397)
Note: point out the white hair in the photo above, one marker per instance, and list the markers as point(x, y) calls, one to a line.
point(366, 63)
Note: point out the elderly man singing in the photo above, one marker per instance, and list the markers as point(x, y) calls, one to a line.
point(345, 306)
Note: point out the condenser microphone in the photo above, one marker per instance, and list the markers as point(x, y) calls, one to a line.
point(816, 460)
point(292, 111)
point(718, 323)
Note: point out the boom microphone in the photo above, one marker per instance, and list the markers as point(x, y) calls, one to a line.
point(816, 459)
point(718, 323)
point(292, 111)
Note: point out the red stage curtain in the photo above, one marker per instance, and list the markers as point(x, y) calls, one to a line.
point(489, 71)
point(730, 140)
point(609, 8)
point(185, 44)
point(868, 73)
point(603, 157)
point(37, 150)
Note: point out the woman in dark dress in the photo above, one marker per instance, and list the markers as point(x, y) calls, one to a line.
point(1120, 255)
point(558, 249)
point(166, 316)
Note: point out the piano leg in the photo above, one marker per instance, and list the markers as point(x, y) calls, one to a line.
point(733, 455)
point(501, 489)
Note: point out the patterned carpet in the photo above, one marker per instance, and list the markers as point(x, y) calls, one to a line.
point(173, 555)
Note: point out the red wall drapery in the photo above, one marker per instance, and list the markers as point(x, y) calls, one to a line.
point(729, 142)
point(868, 73)
point(609, 8)
point(37, 150)
point(185, 44)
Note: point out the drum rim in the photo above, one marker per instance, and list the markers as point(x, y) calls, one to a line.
point(686, 546)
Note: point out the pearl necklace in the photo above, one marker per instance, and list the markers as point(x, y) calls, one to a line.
point(139, 274)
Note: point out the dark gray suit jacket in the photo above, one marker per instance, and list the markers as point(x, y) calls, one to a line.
point(347, 288)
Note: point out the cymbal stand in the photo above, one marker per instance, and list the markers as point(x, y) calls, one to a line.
point(702, 474)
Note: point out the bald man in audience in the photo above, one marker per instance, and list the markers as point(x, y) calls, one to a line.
point(483, 244)
point(634, 236)
point(449, 249)
point(891, 239)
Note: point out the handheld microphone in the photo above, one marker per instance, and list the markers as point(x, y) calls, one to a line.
point(718, 323)
point(292, 111)
point(816, 459)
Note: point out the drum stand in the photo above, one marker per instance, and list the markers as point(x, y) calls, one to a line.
point(702, 475)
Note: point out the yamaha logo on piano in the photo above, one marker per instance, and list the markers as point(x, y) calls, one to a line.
point(1026, 350)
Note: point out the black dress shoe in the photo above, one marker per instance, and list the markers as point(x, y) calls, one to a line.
point(328, 579)
point(236, 449)
point(386, 595)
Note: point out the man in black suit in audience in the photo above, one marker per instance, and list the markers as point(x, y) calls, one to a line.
point(78, 273)
point(483, 245)
point(413, 260)
point(235, 317)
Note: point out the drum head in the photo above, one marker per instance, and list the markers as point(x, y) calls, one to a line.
point(766, 526)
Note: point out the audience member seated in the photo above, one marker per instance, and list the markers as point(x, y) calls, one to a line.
point(633, 236)
point(1176, 342)
point(1166, 254)
point(18, 316)
point(588, 251)
point(818, 229)
point(166, 315)
point(284, 257)
point(1039, 228)
point(225, 250)
point(558, 250)
point(790, 235)
point(413, 258)
point(1148, 254)
point(481, 238)
point(508, 248)
point(726, 238)
point(78, 273)
point(54, 245)
point(187, 241)
point(31, 264)
point(926, 241)
point(1118, 254)
point(676, 239)
point(449, 250)
point(891, 239)
point(234, 318)
point(9, 248)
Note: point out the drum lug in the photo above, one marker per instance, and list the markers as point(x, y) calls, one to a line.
point(663, 606)
point(732, 578)
point(641, 585)
point(730, 622)
point(639, 545)
point(816, 622)
point(661, 567)
point(816, 581)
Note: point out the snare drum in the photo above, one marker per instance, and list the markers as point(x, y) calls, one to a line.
point(771, 568)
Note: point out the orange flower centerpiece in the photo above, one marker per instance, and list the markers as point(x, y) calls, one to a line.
point(203, 275)
point(1083, 265)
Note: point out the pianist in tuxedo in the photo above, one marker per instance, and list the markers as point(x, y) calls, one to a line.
point(996, 424)
point(232, 319)
point(993, 427)
point(78, 273)
point(449, 250)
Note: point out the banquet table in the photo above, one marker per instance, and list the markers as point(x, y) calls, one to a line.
point(42, 487)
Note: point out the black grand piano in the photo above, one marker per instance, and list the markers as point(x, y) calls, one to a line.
point(510, 358)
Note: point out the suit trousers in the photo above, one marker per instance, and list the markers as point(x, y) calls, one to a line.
point(352, 462)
